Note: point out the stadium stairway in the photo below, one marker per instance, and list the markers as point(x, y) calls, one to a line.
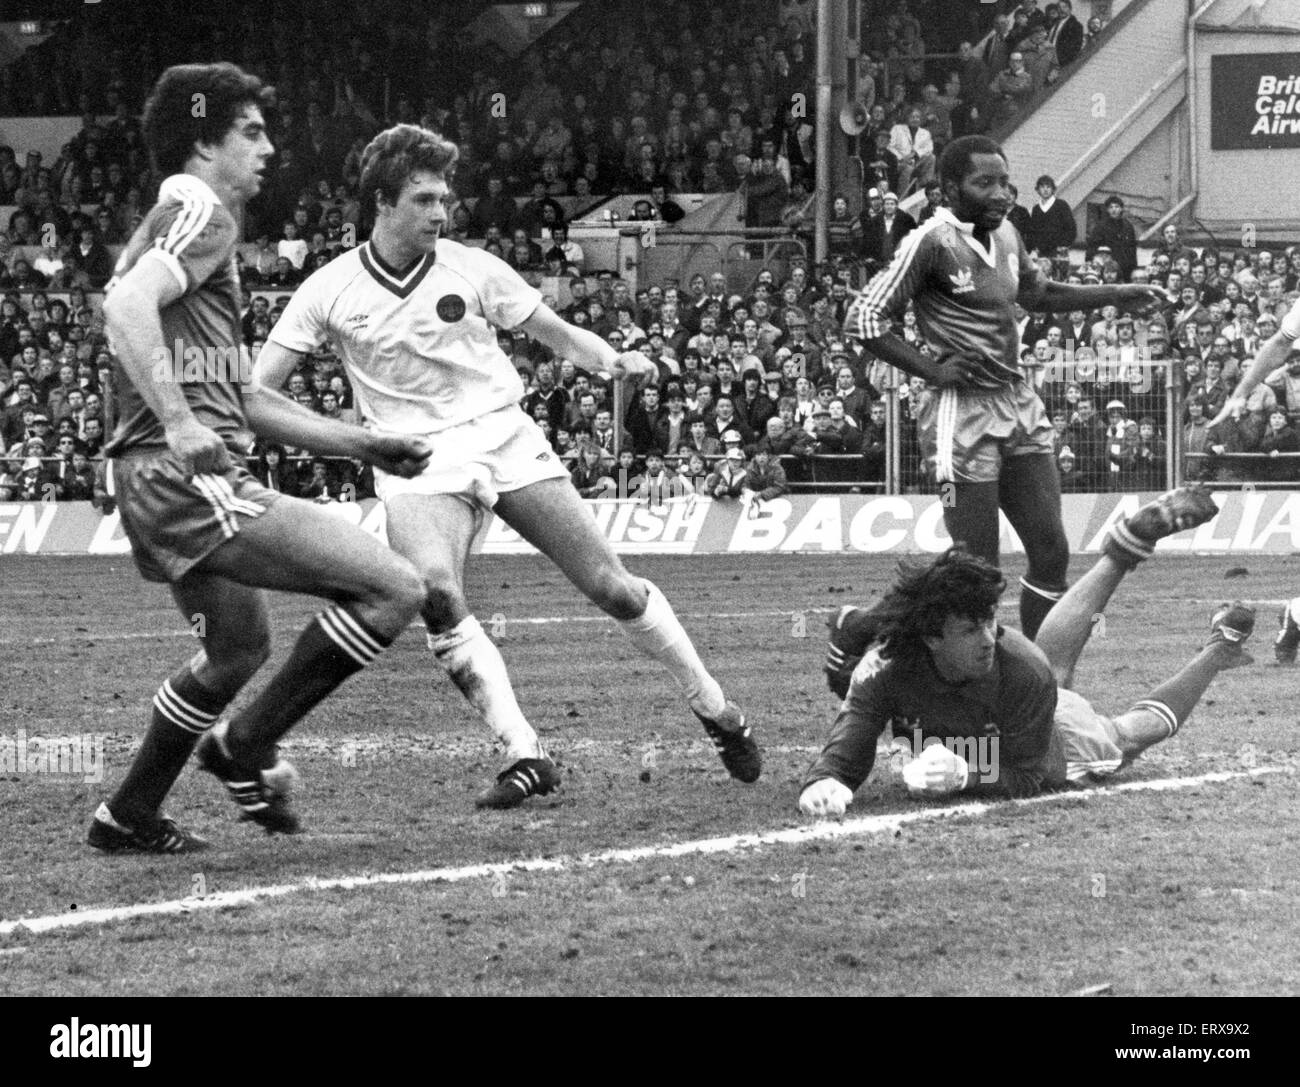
point(1084, 128)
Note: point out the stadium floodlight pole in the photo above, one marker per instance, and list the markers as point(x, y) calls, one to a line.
point(822, 164)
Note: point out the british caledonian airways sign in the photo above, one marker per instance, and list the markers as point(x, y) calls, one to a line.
point(1254, 101)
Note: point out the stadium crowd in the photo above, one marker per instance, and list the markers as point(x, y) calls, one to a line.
point(758, 388)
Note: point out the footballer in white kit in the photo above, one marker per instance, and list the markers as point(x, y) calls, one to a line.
point(414, 320)
point(420, 347)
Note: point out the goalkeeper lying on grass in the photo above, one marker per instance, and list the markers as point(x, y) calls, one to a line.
point(985, 710)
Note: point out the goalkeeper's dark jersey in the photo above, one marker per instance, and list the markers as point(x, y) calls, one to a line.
point(1015, 702)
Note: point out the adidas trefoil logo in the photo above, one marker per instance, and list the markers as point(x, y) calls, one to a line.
point(962, 281)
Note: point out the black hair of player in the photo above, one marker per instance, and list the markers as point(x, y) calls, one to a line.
point(955, 161)
point(394, 155)
point(196, 103)
point(924, 595)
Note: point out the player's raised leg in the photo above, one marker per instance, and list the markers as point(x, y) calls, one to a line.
point(1288, 632)
point(434, 531)
point(1070, 623)
point(550, 515)
point(1029, 491)
point(296, 547)
point(1166, 709)
point(231, 623)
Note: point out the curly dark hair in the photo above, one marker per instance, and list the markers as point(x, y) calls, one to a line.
point(955, 160)
point(196, 103)
point(957, 583)
point(395, 154)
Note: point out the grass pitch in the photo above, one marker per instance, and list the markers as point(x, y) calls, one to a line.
point(1152, 893)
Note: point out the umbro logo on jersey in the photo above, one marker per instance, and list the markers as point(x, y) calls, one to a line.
point(962, 281)
point(543, 456)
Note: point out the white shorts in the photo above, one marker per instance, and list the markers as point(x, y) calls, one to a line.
point(481, 460)
point(1088, 737)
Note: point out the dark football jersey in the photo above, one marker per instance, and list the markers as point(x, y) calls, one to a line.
point(1015, 703)
point(194, 235)
point(964, 294)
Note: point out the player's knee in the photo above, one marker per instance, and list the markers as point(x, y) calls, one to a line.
point(408, 593)
point(616, 592)
point(233, 667)
point(442, 597)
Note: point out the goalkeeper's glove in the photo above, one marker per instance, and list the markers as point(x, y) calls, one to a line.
point(825, 797)
point(935, 772)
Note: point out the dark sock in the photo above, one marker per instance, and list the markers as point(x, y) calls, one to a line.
point(183, 709)
point(335, 645)
point(1035, 603)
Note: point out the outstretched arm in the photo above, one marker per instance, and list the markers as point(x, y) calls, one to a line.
point(584, 348)
point(273, 415)
point(1272, 355)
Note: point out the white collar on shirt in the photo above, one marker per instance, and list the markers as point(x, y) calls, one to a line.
point(1046, 205)
point(967, 231)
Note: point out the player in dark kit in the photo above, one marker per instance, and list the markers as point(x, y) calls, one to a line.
point(195, 517)
point(934, 661)
point(985, 432)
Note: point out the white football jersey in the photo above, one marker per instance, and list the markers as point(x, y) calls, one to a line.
point(420, 346)
point(1290, 326)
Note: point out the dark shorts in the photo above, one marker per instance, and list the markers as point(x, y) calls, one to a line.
point(173, 519)
point(965, 434)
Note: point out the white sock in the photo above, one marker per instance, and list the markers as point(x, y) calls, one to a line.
point(477, 668)
point(659, 634)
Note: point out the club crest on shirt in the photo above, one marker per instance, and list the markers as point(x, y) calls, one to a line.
point(451, 308)
point(963, 281)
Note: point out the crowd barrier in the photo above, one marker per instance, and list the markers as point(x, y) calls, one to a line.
point(1266, 522)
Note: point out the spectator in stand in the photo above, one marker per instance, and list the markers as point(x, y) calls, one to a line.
point(285, 274)
point(77, 478)
point(693, 474)
point(1018, 216)
point(643, 419)
point(1051, 223)
point(933, 201)
point(591, 474)
point(1010, 90)
point(882, 235)
point(882, 167)
point(1280, 437)
point(840, 228)
point(1172, 247)
point(1066, 34)
point(729, 476)
point(765, 478)
point(1196, 440)
point(1117, 234)
point(1040, 56)
point(912, 144)
point(674, 426)
point(1095, 26)
point(763, 191)
point(1087, 437)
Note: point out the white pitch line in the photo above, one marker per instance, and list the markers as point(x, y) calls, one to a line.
point(819, 831)
point(90, 636)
